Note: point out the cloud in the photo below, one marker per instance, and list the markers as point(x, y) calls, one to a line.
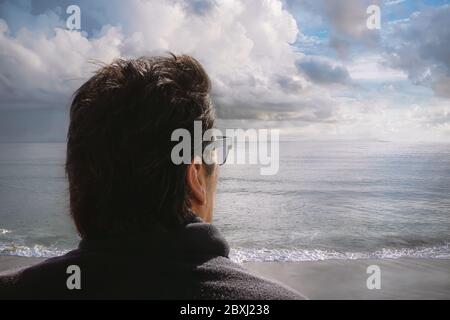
point(374, 68)
point(42, 71)
point(346, 22)
point(322, 71)
point(244, 45)
point(434, 114)
point(262, 64)
point(393, 2)
point(20, 13)
point(420, 47)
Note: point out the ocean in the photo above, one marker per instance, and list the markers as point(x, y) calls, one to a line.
point(329, 200)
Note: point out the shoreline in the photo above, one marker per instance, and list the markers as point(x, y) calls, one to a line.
point(402, 278)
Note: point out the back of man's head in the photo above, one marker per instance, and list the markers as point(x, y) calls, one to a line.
point(121, 177)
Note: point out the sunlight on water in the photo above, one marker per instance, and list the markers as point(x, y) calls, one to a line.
point(329, 200)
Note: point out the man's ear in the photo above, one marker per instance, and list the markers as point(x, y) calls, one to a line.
point(196, 183)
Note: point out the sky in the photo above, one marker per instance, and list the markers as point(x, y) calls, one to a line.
point(309, 67)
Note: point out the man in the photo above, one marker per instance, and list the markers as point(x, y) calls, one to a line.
point(144, 220)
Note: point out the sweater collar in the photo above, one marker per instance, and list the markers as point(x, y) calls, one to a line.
point(195, 238)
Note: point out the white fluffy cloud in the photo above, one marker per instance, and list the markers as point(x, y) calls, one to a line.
point(244, 45)
point(248, 48)
point(41, 71)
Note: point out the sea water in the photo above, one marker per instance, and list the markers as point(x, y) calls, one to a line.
point(329, 200)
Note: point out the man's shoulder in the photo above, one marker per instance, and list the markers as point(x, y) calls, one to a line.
point(37, 279)
point(213, 278)
point(223, 279)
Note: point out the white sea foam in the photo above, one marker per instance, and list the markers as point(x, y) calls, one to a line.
point(269, 255)
point(34, 251)
point(4, 231)
point(292, 255)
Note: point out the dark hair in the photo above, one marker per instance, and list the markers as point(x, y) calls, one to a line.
point(121, 177)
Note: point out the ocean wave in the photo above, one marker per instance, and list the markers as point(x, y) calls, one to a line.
point(34, 251)
point(295, 255)
point(241, 255)
point(4, 231)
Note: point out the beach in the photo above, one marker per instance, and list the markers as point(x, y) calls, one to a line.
point(404, 278)
point(10, 264)
point(346, 279)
